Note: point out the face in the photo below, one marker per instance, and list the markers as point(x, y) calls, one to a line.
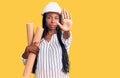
point(51, 19)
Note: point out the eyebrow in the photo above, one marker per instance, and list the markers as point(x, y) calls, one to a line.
point(51, 16)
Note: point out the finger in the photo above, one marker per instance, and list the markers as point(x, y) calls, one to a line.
point(70, 17)
point(67, 15)
point(60, 25)
point(62, 15)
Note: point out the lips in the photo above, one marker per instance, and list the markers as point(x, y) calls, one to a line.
point(52, 26)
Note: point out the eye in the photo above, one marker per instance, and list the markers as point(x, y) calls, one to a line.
point(49, 17)
point(57, 18)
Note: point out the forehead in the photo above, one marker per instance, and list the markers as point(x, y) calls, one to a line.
point(52, 14)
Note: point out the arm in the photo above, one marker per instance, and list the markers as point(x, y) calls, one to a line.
point(66, 34)
point(32, 48)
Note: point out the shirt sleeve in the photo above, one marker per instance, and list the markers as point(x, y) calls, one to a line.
point(67, 42)
point(23, 60)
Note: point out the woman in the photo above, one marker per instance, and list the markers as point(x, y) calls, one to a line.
point(52, 55)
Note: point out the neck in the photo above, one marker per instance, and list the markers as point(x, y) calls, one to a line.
point(51, 31)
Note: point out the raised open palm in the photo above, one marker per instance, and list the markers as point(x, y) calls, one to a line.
point(66, 21)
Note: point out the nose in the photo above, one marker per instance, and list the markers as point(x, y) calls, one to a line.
point(53, 20)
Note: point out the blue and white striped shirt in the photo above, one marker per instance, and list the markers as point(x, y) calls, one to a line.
point(49, 61)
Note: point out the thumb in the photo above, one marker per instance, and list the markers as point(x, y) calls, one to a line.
point(60, 25)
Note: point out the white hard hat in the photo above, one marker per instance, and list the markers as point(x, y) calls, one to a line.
point(52, 7)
